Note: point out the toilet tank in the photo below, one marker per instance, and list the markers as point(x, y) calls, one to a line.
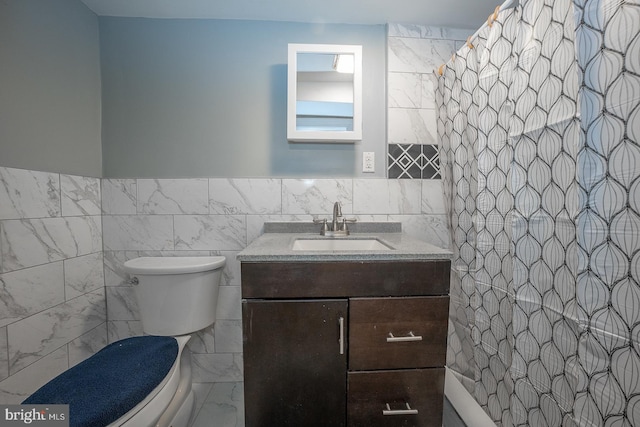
point(176, 295)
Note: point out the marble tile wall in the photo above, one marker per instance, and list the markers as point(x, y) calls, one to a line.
point(221, 216)
point(52, 301)
point(413, 53)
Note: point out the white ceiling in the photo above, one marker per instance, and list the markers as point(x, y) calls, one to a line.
point(451, 13)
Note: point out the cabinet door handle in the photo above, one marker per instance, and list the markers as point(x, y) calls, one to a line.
point(341, 340)
point(407, 411)
point(409, 337)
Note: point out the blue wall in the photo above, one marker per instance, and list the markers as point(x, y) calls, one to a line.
point(50, 87)
point(191, 98)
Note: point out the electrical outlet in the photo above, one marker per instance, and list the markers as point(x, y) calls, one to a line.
point(368, 161)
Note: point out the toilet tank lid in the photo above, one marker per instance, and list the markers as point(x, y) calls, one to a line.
point(173, 265)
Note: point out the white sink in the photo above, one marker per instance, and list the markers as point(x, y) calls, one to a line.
point(339, 245)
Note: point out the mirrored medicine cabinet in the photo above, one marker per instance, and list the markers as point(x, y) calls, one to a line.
point(324, 99)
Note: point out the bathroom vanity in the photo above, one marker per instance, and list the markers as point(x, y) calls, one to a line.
point(348, 337)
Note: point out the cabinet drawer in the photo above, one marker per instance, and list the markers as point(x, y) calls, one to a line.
point(369, 393)
point(391, 333)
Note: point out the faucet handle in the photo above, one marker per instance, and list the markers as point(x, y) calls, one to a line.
point(325, 226)
point(344, 224)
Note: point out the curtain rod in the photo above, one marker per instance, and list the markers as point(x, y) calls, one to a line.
point(508, 4)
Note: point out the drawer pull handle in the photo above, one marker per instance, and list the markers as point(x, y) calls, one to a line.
point(407, 411)
point(409, 337)
point(341, 339)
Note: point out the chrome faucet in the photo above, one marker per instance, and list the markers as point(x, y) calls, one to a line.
point(337, 213)
point(337, 227)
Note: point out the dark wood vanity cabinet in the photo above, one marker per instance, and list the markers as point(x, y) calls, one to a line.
point(321, 348)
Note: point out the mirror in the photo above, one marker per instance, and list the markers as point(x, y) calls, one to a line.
point(324, 93)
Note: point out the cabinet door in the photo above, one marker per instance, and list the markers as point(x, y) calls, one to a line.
point(295, 363)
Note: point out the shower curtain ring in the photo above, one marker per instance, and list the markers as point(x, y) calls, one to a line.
point(495, 13)
point(493, 17)
point(469, 44)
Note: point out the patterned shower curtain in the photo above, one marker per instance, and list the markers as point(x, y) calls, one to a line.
point(539, 127)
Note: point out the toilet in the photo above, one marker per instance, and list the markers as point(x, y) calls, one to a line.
point(145, 381)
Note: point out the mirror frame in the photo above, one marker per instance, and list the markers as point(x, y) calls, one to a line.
point(324, 136)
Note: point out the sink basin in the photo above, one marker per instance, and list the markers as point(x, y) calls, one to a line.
point(339, 245)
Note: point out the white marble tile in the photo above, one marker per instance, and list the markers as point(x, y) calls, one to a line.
point(228, 336)
point(138, 232)
point(316, 196)
point(410, 55)
point(4, 355)
point(223, 406)
point(173, 196)
point(201, 390)
point(80, 195)
point(430, 228)
point(121, 329)
point(18, 387)
point(432, 197)
point(429, 85)
point(386, 196)
point(28, 194)
point(405, 90)
point(121, 303)
point(404, 30)
point(229, 307)
point(210, 232)
point(456, 33)
point(36, 336)
point(223, 367)
point(25, 243)
point(83, 274)
point(412, 126)
point(231, 271)
point(29, 291)
point(245, 196)
point(119, 196)
point(203, 341)
point(114, 274)
point(428, 32)
point(87, 345)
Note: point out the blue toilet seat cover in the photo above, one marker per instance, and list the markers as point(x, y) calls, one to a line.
point(110, 383)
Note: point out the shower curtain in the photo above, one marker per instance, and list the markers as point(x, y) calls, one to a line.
point(539, 133)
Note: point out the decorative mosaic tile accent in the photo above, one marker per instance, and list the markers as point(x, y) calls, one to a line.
point(413, 161)
point(431, 162)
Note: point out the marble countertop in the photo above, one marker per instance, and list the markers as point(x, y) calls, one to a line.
point(277, 247)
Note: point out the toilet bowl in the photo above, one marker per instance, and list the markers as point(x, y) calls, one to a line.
point(145, 381)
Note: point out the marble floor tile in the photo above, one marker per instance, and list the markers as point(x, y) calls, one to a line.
point(223, 406)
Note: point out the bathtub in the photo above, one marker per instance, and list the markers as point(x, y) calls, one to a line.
point(462, 401)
